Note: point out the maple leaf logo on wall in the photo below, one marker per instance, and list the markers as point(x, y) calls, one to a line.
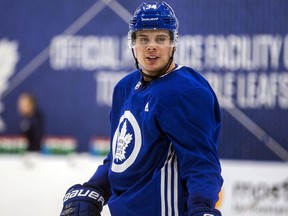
point(8, 60)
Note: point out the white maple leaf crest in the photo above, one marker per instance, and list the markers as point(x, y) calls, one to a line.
point(9, 57)
point(123, 141)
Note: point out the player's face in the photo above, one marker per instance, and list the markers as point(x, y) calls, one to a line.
point(153, 49)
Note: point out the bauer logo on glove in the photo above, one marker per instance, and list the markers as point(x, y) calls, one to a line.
point(83, 193)
point(82, 200)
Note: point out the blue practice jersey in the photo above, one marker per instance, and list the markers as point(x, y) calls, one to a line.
point(163, 158)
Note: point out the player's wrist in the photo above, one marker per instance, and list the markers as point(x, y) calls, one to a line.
point(203, 211)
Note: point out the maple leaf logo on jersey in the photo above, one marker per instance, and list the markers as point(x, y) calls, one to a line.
point(126, 143)
point(123, 141)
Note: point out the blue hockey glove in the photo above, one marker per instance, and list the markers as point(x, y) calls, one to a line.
point(82, 201)
point(205, 212)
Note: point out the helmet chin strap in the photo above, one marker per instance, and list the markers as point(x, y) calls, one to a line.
point(160, 72)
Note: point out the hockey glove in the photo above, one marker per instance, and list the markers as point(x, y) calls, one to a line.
point(82, 201)
point(205, 212)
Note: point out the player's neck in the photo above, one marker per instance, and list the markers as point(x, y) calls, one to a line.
point(171, 68)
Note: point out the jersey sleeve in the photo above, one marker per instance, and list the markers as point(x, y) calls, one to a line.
point(192, 123)
point(100, 178)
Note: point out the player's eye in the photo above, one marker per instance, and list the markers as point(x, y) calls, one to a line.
point(143, 40)
point(161, 40)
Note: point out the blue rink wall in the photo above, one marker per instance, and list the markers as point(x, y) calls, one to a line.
point(71, 53)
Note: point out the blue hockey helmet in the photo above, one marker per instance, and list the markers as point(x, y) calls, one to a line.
point(152, 16)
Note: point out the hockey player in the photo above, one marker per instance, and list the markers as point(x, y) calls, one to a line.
point(165, 121)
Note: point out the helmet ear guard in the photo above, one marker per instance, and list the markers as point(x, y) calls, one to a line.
point(131, 39)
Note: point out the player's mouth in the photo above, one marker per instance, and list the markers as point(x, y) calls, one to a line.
point(152, 59)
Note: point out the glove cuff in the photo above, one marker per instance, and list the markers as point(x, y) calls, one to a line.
point(203, 211)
